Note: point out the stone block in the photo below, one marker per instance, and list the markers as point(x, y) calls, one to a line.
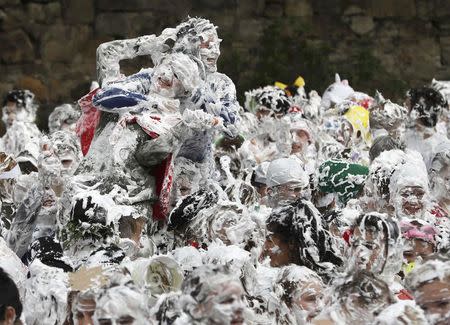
point(142, 24)
point(362, 24)
point(61, 87)
point(353, 11)
point(60, 42)
point(36, 12)
point(419, 58)
point(444, 27)
point(226, 24)
point(250, 29)
point(273, 9)
point(413, 29)
point(387, 29)
point(3, 17)
point(35, 85)
point(12, 18)
point(442, 73)
point(54, 50)
point(78, 11)
point(113, 24)
point(329, 28)
point(132, 5)
point(5, 87)
point(52, 12)
point(42, 1)
point(4, 3)
point(441, 8)
point(35, 30)
point(64, 33)
point(424, 8)
point(384, 45)
point(445, 50)
point(327, 7)
point(56, 32)
point(248, 8)
point(298, 8)
point(16, 47)
point(217, 4)
point(389, 8)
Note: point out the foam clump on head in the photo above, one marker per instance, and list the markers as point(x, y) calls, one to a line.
point(286, 170)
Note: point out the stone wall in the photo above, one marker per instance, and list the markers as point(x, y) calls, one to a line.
point(48, 46)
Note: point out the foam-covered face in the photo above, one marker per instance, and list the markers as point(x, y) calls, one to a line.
point(345, 133)
point(340, 129)
point(13, 112)
point(410, 201)
point(277, 250)
point(263, 112)
point(429, 117)
point(123, 306)
point(49, 198)
point(226, 304)
point(368, 247)
point(165, 82)
point(182, 188)
point(415, 247)
point(69, 125)
point(300, 140)
point(230, 227)
point(9, 113)
point(84, 310)
point(287, 193)
point(68, 156)
point(309, 298)
point(210, 50)
point(434, 298)
point(123, 320)
point(222, 224)
point(358, 308)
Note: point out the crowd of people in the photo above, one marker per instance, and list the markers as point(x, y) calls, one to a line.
point(158, 199)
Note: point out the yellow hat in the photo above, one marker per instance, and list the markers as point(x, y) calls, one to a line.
point(358, 116)
point(299, 82)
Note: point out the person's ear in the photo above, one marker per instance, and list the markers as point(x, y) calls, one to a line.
point(10, 315)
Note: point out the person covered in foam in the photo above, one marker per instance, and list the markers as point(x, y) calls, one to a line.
point(22, 135)
point(425, 110)
point(298, 293)
point(430, 286)
point(409, 189)
point(269, 138)
point(63, 117)
point(286, 182)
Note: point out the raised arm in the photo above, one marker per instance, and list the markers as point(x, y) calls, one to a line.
point(111, 53)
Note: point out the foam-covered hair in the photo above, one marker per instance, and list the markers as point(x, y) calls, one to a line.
point(301, 223)
point(412, 173)
point(380, 144)
point(188, 35)
point(65, 113)
point(24, 99)
point(271, 97)
point(428, 103)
